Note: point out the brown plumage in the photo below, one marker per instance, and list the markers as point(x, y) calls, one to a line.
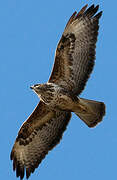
point(34, 140)
point(74, 61)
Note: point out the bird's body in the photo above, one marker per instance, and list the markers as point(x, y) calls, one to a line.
point(55, 97)
point(74, 62)
point(58, 98)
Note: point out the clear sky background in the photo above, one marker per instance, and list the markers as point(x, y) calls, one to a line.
point(29, 32)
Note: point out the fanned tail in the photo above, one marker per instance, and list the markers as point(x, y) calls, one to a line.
point(91, 112)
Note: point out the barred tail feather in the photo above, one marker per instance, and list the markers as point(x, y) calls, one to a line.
point(92, 112)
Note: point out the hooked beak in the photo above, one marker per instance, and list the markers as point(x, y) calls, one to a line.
point(36, 88)
point(31, 87)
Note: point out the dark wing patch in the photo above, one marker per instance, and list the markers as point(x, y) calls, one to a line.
point(75, 54)
point(31, 147)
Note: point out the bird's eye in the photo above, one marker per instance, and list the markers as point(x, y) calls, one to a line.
point(36, 85)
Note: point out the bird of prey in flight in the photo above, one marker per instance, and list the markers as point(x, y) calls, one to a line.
point(74, 62)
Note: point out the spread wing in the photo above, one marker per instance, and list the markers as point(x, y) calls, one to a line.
point(75, 53)
point(39, 134)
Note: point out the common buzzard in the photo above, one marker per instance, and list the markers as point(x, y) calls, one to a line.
point(74, 61)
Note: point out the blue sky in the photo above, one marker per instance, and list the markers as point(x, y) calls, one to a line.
point(29, 32)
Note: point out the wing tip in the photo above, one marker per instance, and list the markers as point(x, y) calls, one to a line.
point(97, 16)
point(90, 12)
point(82, 11)
point(17, 165)
point(20, 171)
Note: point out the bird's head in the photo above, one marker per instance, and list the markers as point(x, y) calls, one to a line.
point(43, 90)
point(38, 88)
